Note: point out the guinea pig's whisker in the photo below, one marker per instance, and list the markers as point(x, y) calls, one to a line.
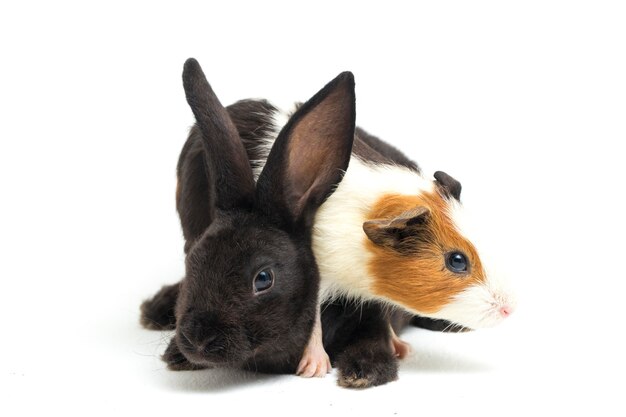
point(445, 329)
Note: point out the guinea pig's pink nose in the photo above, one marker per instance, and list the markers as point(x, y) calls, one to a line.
point(506, 310)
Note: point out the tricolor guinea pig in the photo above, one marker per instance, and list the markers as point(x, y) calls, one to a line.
point(391, 235)
point(388, 233)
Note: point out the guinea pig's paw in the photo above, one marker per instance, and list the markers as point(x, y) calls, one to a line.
point(364, 368)
point(176, 361)
point(314, 362)
point(400, 348)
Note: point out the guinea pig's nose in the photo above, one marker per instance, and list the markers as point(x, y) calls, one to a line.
point(506, 310)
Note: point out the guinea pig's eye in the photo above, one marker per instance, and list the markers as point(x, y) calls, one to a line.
point(457, 262)
point(263, 280)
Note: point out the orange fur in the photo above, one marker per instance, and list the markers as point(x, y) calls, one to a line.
point(420, 281)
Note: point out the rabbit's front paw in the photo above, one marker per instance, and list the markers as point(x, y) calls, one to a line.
point(399, 347)
point(176, 361)
point(157, 313)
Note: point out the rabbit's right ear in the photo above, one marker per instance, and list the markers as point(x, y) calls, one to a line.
point(310, 154)
point(231, 183)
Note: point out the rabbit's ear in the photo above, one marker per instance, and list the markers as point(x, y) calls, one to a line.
point(310, 154)
point(230, 179)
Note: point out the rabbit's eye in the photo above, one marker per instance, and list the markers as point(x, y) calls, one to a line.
point(264, 280)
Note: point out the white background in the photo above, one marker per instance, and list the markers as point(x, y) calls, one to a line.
point(524, 102)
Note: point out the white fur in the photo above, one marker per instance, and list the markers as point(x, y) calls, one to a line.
point(476, 307)
point(479, 305)
point(279, 120)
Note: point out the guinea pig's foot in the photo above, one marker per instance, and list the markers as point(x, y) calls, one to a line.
point(157, 313)
point(364, 366)
point(176, 361)
point(400, 348)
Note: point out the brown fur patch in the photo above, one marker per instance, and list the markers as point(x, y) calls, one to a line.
point(418, 278)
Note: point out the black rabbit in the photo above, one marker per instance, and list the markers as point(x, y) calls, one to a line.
point(249, 296)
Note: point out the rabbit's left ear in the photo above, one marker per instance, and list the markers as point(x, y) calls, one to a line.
point(230, 179)
point(310, 154)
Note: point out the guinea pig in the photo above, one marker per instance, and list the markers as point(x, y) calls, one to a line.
point(389, 234)
point(249, 295)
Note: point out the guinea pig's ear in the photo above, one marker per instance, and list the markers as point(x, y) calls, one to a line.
point(398, 233)
point(230, 179)
point(310, 154)
point(448, 185)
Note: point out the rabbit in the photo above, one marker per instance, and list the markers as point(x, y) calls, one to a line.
point(249, 296)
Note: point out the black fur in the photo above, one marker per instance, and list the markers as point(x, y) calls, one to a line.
point(193, 199)
point(157, 313)
point(448, 185)
point(437, 325)
point(358, 340)
point(254, 122)
point(176, 361)
point(371, 148)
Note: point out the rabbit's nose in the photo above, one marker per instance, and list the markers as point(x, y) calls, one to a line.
point(199, 342)
point(186, 338)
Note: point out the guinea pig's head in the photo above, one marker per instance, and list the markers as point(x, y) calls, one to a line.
point(425, 260)
point(250, 289)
